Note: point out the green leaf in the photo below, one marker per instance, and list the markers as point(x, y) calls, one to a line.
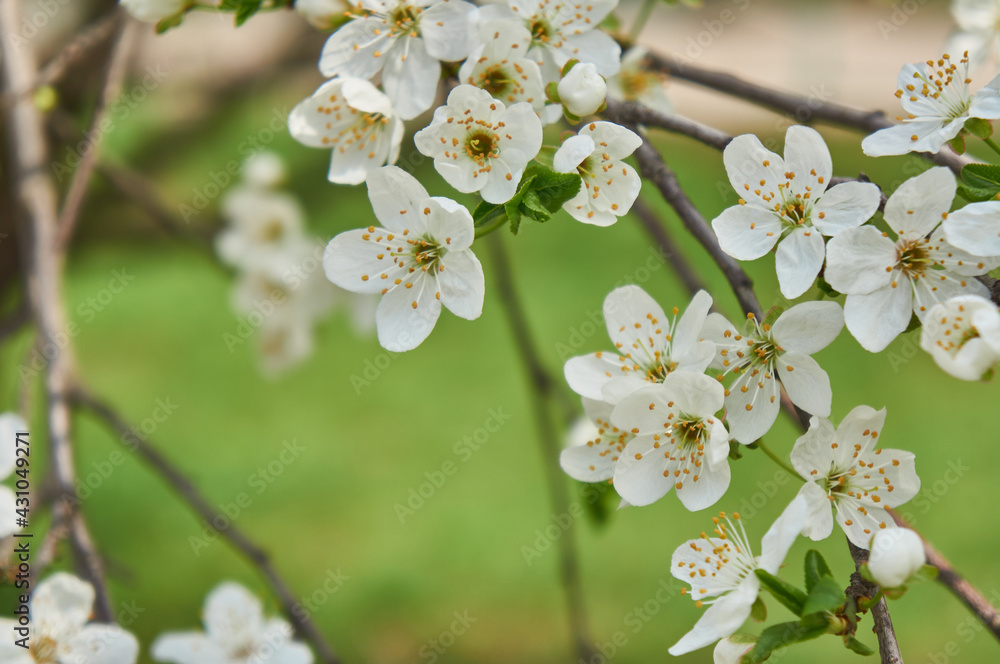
point(485, 213)
point(169, 22)
point(852, 643)
point(758, 611)
point(979, 128)
point(781, 636)
point(958, 144)
point(926, 573)
point(735, 453)
point(787, 594)
point(982, 176)
point(553, 188)
point(977, 194)
point(816, 568)
point(247, 9)
point(826, 595)
point(513, 207)
point(540, 194)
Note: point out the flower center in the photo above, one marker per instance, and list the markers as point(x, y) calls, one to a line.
point(426, 253)
point(913, 258)
point(273, 231)
point(44, 650)
point(481, 144)
point(659, 370)
point(495, 80)
point(541, 30)
point(943, 85)
point(405, 20)
point(689, 431)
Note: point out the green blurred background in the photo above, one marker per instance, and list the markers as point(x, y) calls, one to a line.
point(368, 439)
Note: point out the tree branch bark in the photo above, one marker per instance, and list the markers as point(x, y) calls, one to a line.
point(888, 646)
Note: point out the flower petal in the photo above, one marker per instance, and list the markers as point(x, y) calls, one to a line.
point(636, 324)
point(411, 83)
point(186, 648)
point(588, 374)
point(350, 51)
point(819, 514)
point(876, 318)
point(847, 205)
point(746, 232)
point(640, 473)
point(721, 619)
point(975, 228)
point(103, 644)
point(781, 535)
point(353, 262)
point(711, 485)
point(61, 605)
point(572, 153)
point(462, 284)
point(751, 412)
point(807, 384)
point(808, 327)
point(748, 164)
point(397, 197)
point(447, 29)
point(808, 157)
point(856, 260)
point(798, 260)
point(406, 316)
point(920, 203)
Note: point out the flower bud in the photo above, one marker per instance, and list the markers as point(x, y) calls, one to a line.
point(895, 555)
point(323, 14)
point(731, 649)
point(582, 90)
point(152, 11)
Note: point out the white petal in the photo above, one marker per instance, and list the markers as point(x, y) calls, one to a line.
point(847, 205)
point(819, 515)
point(761, 396)
point(462, 284)
point(186, 648)
point(232, 615)
point(813, 456)
point(61, 604)
point(352, 262)
point(617, 141)
point(808, 327)
point(633, 318)
point(449, 223)
point(975, 228)
point(853, 428)
point(781, 535)
point(744, 158)
point(588, 374)
point(596, 47)
point(688, 329)
point(806, 153)
point(402, 326)
point(798, 261)
point(585, 463)
point(641, 481)
point(876, 318)
point(986, 103)
point(807, 384)
point(711, 486)
point(341, 58)
point(397, 197)
point(856, 260)
point(898, 139)
point(103, 644)
point(721, 619)
point(746, 232)
point(918, 206)
point(572, 153)
point(694, 393)
point(412, 84)
point(447, 29)
point(862, 526)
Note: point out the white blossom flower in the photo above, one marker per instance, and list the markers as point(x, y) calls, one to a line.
point(153, 11)
point(937, 102)
point(419, 261)
point(610, 186)
point(561, 31)
point(844, 470)
point(501, 67)
point(323, 14)
point(977, 32)
point(478, 144)
point(60, 633)
point(236, 632)
point(731, 649)
point(786, 202)
point(764, 354)
point(355, 120)
point(679, 442)
point(975, 228)
point(594, 444)
point(405, 40)
point(582, 90)
point(896, 554)
point(10, 425)
point(263, 170)
point(649, 346)
point(963, 336)
point(721, 568)
point(636, 82)
point(264, 229)
point(886, 280)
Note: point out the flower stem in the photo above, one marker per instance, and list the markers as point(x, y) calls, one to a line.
point(641, 18)
point(993, 144)
point(777, 459)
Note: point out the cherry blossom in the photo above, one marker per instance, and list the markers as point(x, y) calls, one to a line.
point(963, 336)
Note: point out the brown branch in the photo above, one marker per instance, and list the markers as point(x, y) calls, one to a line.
point(16, 319)
point(637, 114)
point(200, 505)
point(111, 87)
point(90, 37)
point(888, 647)
point(542, 392)
point(803, 109)
point(36, 199)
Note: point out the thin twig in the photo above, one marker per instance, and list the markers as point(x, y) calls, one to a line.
point(36, 197)
point(632, 113)
point(193, 497)
point(90, 37)
point(888, 646)
point(542, 392)
point(111, 87)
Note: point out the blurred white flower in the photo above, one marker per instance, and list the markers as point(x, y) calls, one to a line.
point(937, 102)
point(963, 336)
point(638, 83)
point(324, 14)
point(236, 632)
point(405, 40)
point(720, 569)
point(263, 169)
point(582, 90)
point(479, 145)
point(264, 228)
point(977, 31)
point(843, 469)
point(761, 356)
point(731, 649)
point(610, 186)
point(419, 261)
point(10, 425)
point(152, 11)
point(886, 281)
point(786, 202)
point(354, 119)
point(501, 67)
point(60, 633)
point(649, 346)
point(593, 444)
point(679, 442)
point(895, 555)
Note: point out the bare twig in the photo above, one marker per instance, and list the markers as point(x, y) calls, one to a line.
point(888, 647)
point(637, 114)
point(111, 87)
point(193, 497)
point(36, 197)
point(542, 388)
point(90, 37)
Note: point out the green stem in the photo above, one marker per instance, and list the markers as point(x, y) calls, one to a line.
point(993, 144)
point(869, 604)
point(641, 18)
point(777, 459)
point(492, 221)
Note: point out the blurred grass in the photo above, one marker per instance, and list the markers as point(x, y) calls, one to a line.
point(334, 507)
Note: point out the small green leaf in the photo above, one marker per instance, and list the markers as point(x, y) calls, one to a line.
point(784, 592)
point(552, 92)
point(977, 194)
point(958, 144)
point(982, 176)
point(780, 636)
point(169, 22)
point(979, 128)
point(611, 23)
point(816, 568)
point(735, 453)
point(758, 611)
point(553, 189)
point(926, 573)
point(852, 643)
point(826, 595)
point(485, 213)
